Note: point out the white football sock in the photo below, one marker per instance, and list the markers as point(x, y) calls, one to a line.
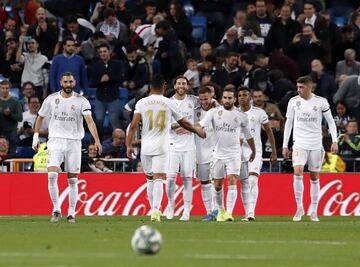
point(231, 198)
point(187, 194)
point(170, 187)
point(219, 199)
point(158, 194)
point(149, 190)
point(54, 190)
point(298, 190)
point(206, 194)
point(314, 194)
point(73, 195)
point(245, 194)
point(254, 192)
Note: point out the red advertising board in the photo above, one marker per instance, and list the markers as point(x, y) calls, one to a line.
point(125, 194)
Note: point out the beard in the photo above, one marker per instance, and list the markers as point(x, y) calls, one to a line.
point(228, 106)
point(68, 90)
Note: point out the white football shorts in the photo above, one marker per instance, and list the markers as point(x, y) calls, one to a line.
point(154, 163)
point(203, 172)
point(64, 150)
point(314, 158)
point(182, 162)
point(256, 164)
point(223, 167)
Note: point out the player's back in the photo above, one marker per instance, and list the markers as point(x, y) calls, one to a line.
point(156, 112)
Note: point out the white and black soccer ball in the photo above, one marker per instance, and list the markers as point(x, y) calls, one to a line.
point(146, 240)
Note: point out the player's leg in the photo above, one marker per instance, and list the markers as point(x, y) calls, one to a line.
point(316, 157)
point(187, 171)
point(72, 166)
point(299, 157)
point(159, 165)
point(146, 161)
point(254, 171)
point(232, 168)
point(245, 188)
point(55, 159)
point(203, 175)
point(218, 174)
point(172, 170)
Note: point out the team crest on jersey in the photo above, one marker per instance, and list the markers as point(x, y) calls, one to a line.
point(315, 108)
point(236, 120)
point(252, 119)
point(198, 114)
point(57, 101)
point(298, 104)
point(190, 106)
point(220, 112)
point(73, 107)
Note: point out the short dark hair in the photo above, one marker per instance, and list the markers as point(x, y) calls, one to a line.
point(29, 83)
point(308, 25)
point(181, 77)
point(66, 74)
point(108, 12)
point(5, 82)
point(204, 90)
point(158, 81)
point(98, 34)
point(33, 96)
point(305, 79)
point(68, 38)
point(163, 24)
point(70, 19)
point(103, 45)
point(231, 90)
point(130, 48)
point(243, 88)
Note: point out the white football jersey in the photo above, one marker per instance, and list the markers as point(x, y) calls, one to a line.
point(156, 113)
point(187, 107)
point(204, 147)
point(228, 126)
point(307, 116)
point(257, 117)
point(66, 115)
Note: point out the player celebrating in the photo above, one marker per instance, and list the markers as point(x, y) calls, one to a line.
point(182, 149)
point(251, 170)
point(156, 111)
point(204, 152)
point(228, 123)
point(66, 110)
point(305, 113)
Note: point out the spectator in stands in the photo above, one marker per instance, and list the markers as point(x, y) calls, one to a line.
point(349, 92)
point(99, 166)
point(46, 33)
point(207, 66)
point(281, 85)
point(279, 60)
point(229, 73)
point(355, 24)
point(347, 41)
point(230, 44)
point(98, 14)
point(115, 145)
point(316, 21)
point(179, 22)
point(136, 72)
point(282, 31)
point(348, 66)
point(122, 13)
point(88, 47)
point(25, 129)
point(75, 30)
point(342, 117)
point(68, 61)
point(150, 12)
point(28, 90)
point(10, 115)
point(349, 142)
point(192, 73)
point(107, 74)
point(88, 158)
point(261, 18)
point(114, 30)
point(12, 69)
point(304, 48)
point(35, 65)
point(270, 109)
point(248, 66)
point(4, 152)
point(325, 83)
point(239, 20)
point(9, 26)
point(205, 49)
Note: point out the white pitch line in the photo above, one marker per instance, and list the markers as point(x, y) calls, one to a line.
point(15, 254)
point(227, 257)
point(304, 242)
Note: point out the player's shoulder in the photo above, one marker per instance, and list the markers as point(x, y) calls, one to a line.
point(295, 98)
point(51, 96)
point(240, 113)
point(320, 98)
point(258, 110)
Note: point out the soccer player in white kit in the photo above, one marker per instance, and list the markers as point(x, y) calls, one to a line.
point(250, 171)
point(304, 114)
point(156, 112)
point(229, 123)
point(182, 149)
point(204, 152)
point(66, 110)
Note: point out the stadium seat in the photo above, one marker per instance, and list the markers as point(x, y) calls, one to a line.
point(199, 32)
point(24, 152)
point(15, 92)
point(339, 21)
point(189, 10)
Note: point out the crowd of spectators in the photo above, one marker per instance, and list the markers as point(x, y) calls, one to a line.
point(113, 47)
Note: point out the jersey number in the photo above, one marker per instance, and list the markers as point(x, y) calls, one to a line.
point(159, 121)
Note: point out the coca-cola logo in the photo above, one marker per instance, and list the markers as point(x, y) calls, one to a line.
point(335, 202)
point(117, 203)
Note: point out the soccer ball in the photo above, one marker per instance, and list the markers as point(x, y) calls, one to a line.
point(146, 240)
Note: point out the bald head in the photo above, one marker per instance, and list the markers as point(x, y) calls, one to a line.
point(40, 14)
point(118, 137)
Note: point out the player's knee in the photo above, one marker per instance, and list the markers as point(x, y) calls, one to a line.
point(205, 182)
point(186, 179)
point(171, 176)
point(232, 179)
point(253, 180)
point(52, 176)
point(72, 180)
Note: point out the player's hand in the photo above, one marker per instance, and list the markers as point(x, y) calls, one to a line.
point(252, 156)
point(200, 132)
point(130, 153)
point(334, 148)
point(285, 153)
point(273, 157)
point(98, 148)
point(36, 142)
point(181, 131)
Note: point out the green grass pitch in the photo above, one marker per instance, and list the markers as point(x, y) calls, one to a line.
point(105, 242)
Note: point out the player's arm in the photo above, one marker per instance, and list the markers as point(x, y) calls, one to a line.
point(92, 127)
point(271, 139)
point(196, 128)
point(287, 130)
point(332, 128)
point(247, 135)
point(130, 135)
point(36, 141)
